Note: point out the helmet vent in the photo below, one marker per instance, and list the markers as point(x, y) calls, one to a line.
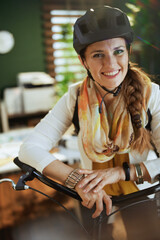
point(83, 28)
point(102, 23)
point(121, 20)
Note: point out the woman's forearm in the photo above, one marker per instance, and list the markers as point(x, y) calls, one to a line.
point(58, 171)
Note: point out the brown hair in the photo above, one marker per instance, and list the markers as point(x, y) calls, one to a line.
point(136, 82)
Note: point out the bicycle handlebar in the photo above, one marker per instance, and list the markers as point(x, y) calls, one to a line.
point(32, 173)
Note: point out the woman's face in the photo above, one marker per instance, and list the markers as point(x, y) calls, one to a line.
point(107, 61)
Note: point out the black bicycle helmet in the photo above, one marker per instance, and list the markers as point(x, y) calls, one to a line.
point(100, 24)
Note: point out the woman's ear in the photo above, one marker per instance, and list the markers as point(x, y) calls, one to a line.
point(82, 61)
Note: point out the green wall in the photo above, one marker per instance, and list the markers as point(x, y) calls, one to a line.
point(23, 19)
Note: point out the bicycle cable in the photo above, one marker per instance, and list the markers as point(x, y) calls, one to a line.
point(26, 187)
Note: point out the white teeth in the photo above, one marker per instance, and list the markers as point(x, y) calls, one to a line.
point(111, 73)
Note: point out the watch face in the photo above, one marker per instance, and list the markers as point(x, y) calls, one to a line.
point(6, 42)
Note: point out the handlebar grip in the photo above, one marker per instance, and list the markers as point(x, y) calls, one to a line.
point(23, 166)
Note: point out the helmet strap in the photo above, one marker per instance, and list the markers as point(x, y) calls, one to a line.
point(115, 92)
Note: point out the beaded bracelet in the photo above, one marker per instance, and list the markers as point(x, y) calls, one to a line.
point(73, 178)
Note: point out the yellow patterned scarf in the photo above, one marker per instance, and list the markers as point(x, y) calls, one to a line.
point(105, 134)
point(106, 137)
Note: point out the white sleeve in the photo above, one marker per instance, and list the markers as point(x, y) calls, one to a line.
point(35, 149)
point(153, 166)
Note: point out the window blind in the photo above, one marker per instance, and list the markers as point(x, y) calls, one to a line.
point(58, 20)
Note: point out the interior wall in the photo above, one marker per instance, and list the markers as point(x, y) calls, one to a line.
point(23, 19)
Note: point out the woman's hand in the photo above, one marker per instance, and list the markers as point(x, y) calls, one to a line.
point(91, 198)
point(97, 179)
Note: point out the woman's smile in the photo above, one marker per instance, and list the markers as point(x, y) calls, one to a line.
point(111, 74)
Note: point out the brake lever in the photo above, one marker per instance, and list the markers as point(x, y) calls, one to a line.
point(22, 180)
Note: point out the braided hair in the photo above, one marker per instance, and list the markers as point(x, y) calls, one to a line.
point(133, 91)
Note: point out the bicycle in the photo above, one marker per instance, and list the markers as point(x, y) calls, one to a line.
point(123, 202)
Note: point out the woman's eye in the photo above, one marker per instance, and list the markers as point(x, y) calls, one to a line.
point(98, 55)
point(118, 51)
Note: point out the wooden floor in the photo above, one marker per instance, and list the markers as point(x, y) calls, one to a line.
point(55, 226)
point(58, 226)
point(28, 215)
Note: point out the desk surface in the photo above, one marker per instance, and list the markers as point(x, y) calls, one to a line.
point(10, 143)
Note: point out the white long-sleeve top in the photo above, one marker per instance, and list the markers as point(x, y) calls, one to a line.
point(35, 149)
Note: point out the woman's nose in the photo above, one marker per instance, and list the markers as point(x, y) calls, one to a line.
point(109, 61)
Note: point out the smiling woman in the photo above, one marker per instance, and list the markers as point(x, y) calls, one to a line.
point(107, 62)
point(112, 101)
